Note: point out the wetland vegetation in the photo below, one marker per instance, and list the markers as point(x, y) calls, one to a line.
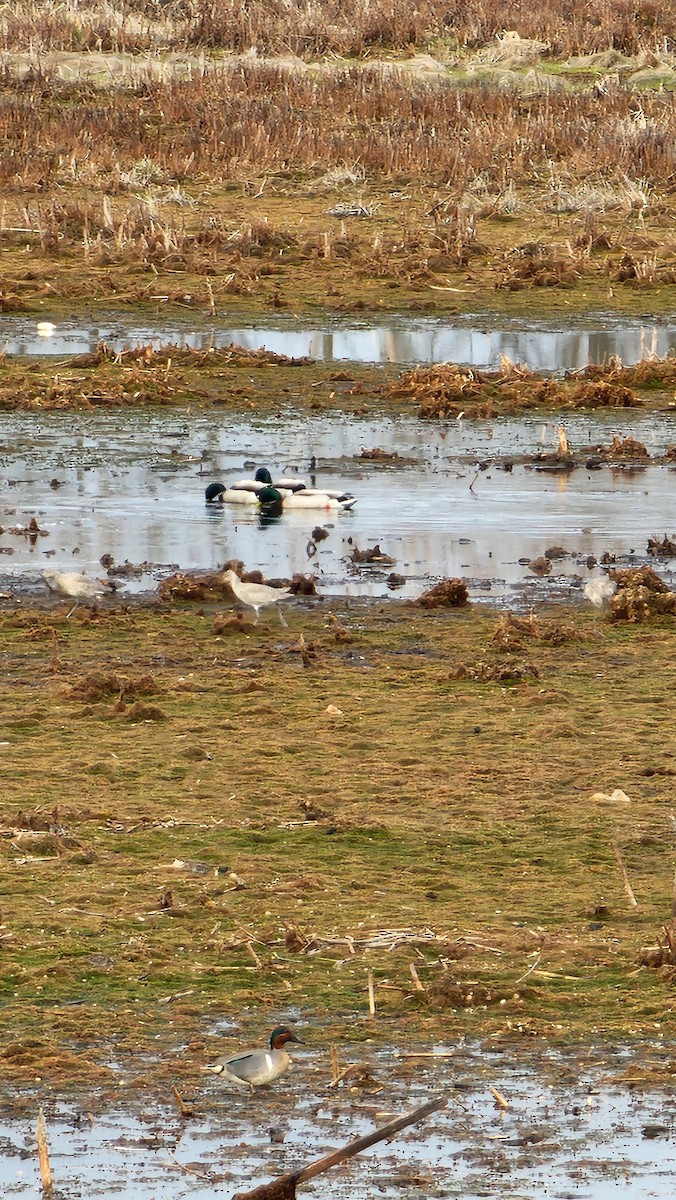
point(202, 817)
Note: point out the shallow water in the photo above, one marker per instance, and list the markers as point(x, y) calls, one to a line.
point(469, 341)
point(132, 485)
point(568, 1132)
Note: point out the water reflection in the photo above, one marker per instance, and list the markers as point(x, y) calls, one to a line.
point(132, 485)
point(477, 344)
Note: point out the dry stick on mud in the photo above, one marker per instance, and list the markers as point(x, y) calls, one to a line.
point(627, 886)
point(43, 1155)
point(285, 1187)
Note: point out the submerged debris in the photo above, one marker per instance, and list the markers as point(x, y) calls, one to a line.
point(372, 556)
point(662, 549)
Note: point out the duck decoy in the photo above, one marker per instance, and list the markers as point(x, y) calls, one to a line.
point(257, 1068)
point(256, 595)
point(218, 493)
point(270, 501)
point(297, 495)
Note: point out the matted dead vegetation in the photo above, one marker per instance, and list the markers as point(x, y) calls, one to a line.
point(448, 390)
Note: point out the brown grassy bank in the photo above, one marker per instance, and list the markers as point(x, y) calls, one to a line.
point(256, 186)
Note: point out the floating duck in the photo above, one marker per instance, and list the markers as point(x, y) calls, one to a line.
point(256, 595)
point(257, 1068)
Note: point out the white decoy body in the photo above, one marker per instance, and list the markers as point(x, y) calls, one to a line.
point(255, 595)
point(291, 487)
point(257, 1068)
point(75, 585)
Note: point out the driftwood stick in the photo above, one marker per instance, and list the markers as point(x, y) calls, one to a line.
point(43, 1155)
point(285, 1186)
point(419, 986)
point(627, 886)
point(372, 997)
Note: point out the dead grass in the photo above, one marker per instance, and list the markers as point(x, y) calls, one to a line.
point(349, 29)
point(450, 807)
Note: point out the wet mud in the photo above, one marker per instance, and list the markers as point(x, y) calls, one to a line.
point(518, 1122)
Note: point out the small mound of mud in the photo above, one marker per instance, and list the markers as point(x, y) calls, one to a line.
point(540, 566)
point(98, 685)
point(237, 624)
point(141, 712)
point(448, 992)
point(640, 595)
point(494, 672)
point(448, 593)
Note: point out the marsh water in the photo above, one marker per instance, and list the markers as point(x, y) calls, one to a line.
point(467, 341)
point(132, 485)
point(573, 1128)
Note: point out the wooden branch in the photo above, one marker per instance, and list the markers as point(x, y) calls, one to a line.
point(372, 997)
point(43, 1155)
point(284, 1188)
point(627, 886)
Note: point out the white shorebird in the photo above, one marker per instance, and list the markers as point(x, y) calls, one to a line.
point(256, 1068)
point(75, 585)
point(256, 595)
point(600, 592)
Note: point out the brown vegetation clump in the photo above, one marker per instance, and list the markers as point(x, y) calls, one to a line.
point(640, 595)
point(538, 268)
point(195, 585)
point(141, 712)
point(98, 685)
point(448, 390)
point(448, 593)
point(234, 624)
point(511, 629)
point(495, 672)
point(602, 395)
point(448, 992)
point(627, 449)
point(650, 372)
point(187, 356)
